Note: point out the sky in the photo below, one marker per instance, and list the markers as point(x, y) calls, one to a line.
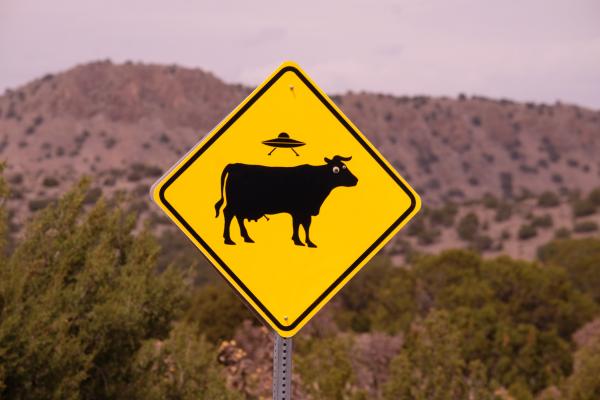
point(526, 50)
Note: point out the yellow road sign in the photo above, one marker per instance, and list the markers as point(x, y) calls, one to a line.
point(287, 199)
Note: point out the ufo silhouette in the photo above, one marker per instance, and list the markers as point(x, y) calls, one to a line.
point(283, 141)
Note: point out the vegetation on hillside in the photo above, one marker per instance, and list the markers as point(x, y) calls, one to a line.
point(87, 311)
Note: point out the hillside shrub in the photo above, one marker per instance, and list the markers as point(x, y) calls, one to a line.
point(579, 257)
point(548, 199)
point(428, 236)
point(211, 300)
point(524, 312)
point(331, 354)
point(583, 208)
point(443, 216)
point(584, 383)
point(490, 201)
point(562, 233)
point(183, 366)
point(50, 181)
point(594, 197)
point(527, 231)
point(381, 298)
point(482, 243)
point(585, 227)
point(416, 227)
point(503, 212)
point(79, 297)
point(39, 204)
point(468, 227)
point(431, 365)
point(542, 221)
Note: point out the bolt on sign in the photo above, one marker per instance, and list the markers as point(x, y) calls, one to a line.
point(287, 199)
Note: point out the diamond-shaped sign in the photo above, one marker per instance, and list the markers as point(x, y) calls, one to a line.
point(287, 199)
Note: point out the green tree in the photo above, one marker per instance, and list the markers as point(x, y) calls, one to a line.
point(594, 197)
point(79, 296)
point(431, 365)
point(468, 226)
point(380, 298)
point(548, 199)
point(325, 368)
point(216, 311)
point(182, 367)
point(584, 383)
point(579, 257)
point(516, 317)
point(583, 207)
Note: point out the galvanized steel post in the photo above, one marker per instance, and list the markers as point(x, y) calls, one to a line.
point(282, 368)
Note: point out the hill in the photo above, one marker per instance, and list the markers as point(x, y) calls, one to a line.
point(124, 124)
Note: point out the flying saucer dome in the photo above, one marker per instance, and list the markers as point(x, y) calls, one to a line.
point(283, 140)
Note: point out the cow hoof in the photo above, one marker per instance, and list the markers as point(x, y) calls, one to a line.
point(229, 241)
point(311, 244)
point(248, 240)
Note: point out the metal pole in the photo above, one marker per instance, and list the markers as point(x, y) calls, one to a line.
point(282, 368)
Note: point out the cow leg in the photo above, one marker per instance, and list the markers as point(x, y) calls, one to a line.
point(243, 230)
point(228, 214)
point(295, 236)
point(306, 225)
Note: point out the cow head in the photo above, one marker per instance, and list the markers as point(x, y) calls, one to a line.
point(339, 172)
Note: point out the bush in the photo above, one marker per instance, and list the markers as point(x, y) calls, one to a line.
point(585, 227)
point(527, 314)
point(482, 243)
point(548, 199)
point(543, 221)
point(579, 257)
point(443, 216)
point(431, 366)
point(503, 212)
point(212, 300)
point(184, 366)
point(583, 207)
point(74, 326)
point(562, 233)
point(584, 383)
point(527, 231)
point(92, 195)
point(428, 236)
point(15, 179)
point(380, 298)
point(316, 355)
point(50, 181)
point(468, 227)
point(39, 204)
point(594, 197)
point(506, 184)
point(416, 227)
point(490, 201)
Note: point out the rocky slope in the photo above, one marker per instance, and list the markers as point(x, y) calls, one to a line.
point(124, 124)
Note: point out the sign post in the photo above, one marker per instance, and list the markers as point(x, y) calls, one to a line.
point(286, 179)
point(282, 368)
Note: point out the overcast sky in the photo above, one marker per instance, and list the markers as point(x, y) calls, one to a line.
point(540, 50)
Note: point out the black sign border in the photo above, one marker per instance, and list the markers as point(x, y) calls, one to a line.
point(223, 129)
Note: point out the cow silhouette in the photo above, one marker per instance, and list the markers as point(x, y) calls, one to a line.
point(255, 191)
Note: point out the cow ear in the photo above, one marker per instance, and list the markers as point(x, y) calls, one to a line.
point(327, 160)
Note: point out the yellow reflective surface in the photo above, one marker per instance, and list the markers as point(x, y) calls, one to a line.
point(285, 283)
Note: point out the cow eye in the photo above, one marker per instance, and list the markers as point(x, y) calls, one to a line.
point(343, 167)
point(336, 170)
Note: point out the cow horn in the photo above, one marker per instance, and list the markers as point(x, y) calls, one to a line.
point(338, 158)
point(327, 160)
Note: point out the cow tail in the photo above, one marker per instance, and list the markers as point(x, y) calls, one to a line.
point(221, 200)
